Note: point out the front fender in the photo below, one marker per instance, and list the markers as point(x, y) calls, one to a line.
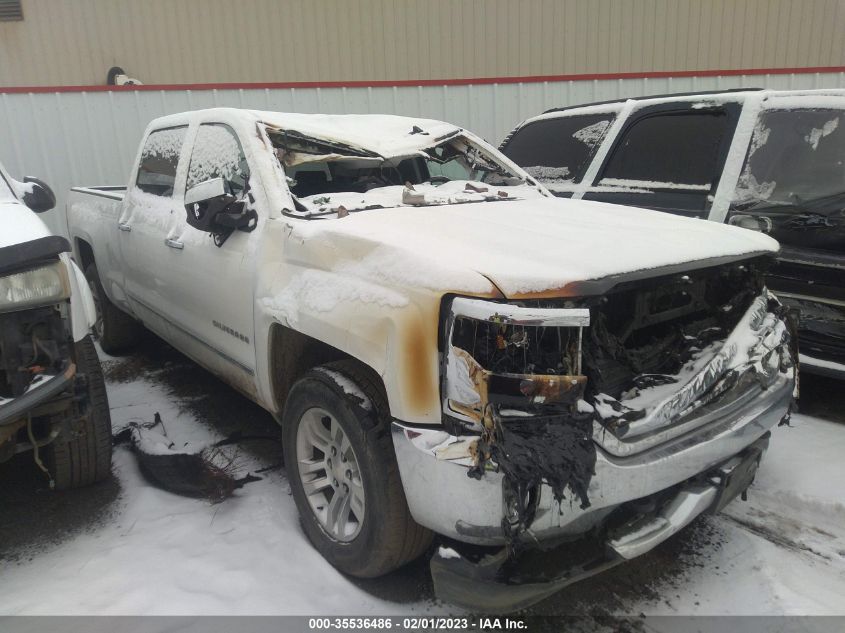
point(393, 332)
point(83, 314)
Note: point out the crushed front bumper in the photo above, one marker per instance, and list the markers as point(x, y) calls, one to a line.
point(501, 584)
point(444, 499)
point(658, 492)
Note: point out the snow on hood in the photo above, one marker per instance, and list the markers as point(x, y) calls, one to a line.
point(523, 246)
point(19, 224)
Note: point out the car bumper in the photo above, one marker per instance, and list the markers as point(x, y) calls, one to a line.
point(442, 497)
point(502, 583)
point(12, 410)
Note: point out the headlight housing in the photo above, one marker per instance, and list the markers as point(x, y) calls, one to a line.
point(35, 287)
point(510, 357)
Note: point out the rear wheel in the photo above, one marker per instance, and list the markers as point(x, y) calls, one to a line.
point(115, 330)
point(85, 456)
point(344, 477)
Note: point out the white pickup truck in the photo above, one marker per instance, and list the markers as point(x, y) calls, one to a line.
point(449, 348)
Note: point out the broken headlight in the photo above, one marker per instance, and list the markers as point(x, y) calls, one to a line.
point(36, 287)
point(510, 358)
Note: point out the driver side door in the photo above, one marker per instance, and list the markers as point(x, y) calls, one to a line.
point(213, 286)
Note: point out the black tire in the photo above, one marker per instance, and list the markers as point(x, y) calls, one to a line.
point(389, 537)
point(115, 330)
point(85, 457)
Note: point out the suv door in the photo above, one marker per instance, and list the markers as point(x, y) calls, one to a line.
point(668, 157)
point(149, 212)
point(213, 288)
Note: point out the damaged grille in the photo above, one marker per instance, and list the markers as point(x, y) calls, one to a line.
point(533, 378)
point(642, 335)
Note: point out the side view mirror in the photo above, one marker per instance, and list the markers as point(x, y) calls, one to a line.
point(753, 222)
point(212, 207)
point(37, 195)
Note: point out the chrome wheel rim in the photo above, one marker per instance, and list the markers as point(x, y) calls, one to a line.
point(330, 475)
point(98, 310)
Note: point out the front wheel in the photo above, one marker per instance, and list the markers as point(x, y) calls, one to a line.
point(85, 456)
point(344, 477)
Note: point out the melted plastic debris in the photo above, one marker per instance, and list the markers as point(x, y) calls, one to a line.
point(206, 473)
point(557, 450)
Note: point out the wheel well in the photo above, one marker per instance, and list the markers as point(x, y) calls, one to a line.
point(291, 355)
point(86, 253)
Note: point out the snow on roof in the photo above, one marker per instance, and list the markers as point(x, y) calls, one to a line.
point(386, 135)
point(778, 96)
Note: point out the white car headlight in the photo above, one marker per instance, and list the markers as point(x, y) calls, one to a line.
point(33, 288)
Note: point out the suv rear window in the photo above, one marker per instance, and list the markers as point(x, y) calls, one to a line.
point(159, 159)
point(558, 151)
point(675, 150)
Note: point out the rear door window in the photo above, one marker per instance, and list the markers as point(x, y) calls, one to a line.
point(558, 151)
point(669, 159)
point(159, 160)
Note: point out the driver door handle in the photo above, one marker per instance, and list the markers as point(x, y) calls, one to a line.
point(123, 226)
point(174, 244)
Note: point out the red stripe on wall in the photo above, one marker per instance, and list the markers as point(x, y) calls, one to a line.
point(430, 82)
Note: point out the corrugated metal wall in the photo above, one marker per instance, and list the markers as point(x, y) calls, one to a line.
point(90, 138)
point(75, 42)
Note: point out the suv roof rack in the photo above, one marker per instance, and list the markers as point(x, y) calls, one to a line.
point(644, 97)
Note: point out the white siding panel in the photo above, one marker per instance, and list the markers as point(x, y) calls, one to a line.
point(90, 138)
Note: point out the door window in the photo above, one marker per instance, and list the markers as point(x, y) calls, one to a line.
point(558, 151)
point(679, 150)
point(217, 153)
point(159, 159)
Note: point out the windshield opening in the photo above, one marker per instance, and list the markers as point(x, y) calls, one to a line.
point(324, 176)
point(795, 156)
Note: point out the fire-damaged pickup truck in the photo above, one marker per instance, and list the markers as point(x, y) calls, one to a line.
point(448, 348)
point(53, 399)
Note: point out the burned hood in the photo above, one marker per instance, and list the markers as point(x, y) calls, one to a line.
point(524, 247)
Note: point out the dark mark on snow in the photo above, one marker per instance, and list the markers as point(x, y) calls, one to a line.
point(774, 537)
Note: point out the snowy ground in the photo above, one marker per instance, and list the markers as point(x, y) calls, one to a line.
point(124, 547)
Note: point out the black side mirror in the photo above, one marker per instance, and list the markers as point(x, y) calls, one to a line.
point(37, 195)
point(205, 201)
point(211, 207)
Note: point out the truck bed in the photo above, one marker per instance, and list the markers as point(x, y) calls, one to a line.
point(114, 192)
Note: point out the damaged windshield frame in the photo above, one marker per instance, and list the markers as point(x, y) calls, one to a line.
point(368, 171)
